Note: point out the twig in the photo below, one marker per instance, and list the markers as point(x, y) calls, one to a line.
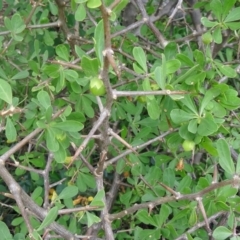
point(159, 201)
point(117, 93)
point(123, 154)
point(201, 224)
point(103, 115)
point(111, 132)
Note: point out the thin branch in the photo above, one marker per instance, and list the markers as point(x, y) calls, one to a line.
point(66, 64)
point(123, 154)
point(202, 209)
point(111, 132)
point(46, 180)
point(154, 29)
point(200, 225)
point(24, 141)
point(103, 115)
point(117, 93)
point(177, 7)
point(159, 201)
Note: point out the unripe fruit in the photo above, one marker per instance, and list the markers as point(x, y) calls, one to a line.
point(188, 145)
point(97, 87)
point(154, 86)
point(207, 38)
point(142, 99)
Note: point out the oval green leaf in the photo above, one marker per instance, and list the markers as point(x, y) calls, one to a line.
point(10, 131)
point(5, 91)
point(51, 216)
point(94, 3)
point(4, 232)
point(69, 126)
point(68, 192)
point(44, 99)
point(80, 13)
point(222, 233)
point(140, 57)
point(224, 155)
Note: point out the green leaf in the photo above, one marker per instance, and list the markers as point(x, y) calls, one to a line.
point(50, 218)
point(200, 57)
point(147, 87)
point(99, 41)
point(37, 193)
point(5, 91)
point(69, 126)
point(48, 38)
point(169, 177)
point(44, 99)
point(35, 234)
point(88, 110)
point(90, 66)
point(208, 23)
point(137, 69)
point(92, 218)
point(80, 1)
point(80, 52)
point(165, 211)
point(68, 192)
point(226, 7)
point(180, 116)
point(229, 99)
point(193, 217)
point(222, 206)
point(140, 57)
point(226, 70)
point(120, 6)
point(143, 216)
point(2, 73)
point(153, 109)
point(184, 132)
point(185, 75)
point(60, 155)
point(217, 9)
point(198, 78)
point(207, 125)
point(207, 144)
point(80, 13)
point(10, 131)
point(94, 3)
point(160, 78)
point(184, 183)
point(120, 167)
point(21, 75)
point(63, 52)
point(172, 66)
point(170, 50)
point(188, 102)
point(52, 143)
point(234, 15)
point(217, 35)
point(52, 70)
point(233, 25)
point(209, 95)
point(17, 221)
point(224, 155)
point(185, 61)
point(98, 199)
point(4, 232)
point(71, 75)
point(221, 233)
point(238, 165)
point(17, 24)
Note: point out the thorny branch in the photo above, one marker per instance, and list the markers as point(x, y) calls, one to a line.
point(102, 124)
